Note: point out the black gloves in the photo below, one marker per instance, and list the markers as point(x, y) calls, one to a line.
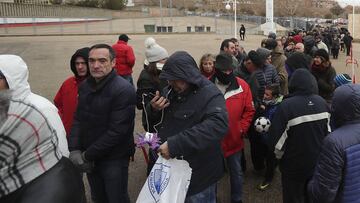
point(78, 159)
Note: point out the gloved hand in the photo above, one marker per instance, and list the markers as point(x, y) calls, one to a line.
point(76, 157)
point(87, 166)
point(80, 162)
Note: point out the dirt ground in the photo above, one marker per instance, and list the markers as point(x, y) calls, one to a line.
point(48, 60)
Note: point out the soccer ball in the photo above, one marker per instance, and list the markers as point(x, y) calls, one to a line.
point(262, 124)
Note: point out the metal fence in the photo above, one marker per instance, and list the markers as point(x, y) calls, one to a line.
point(59, 20)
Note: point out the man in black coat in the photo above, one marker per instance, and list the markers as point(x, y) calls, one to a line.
point(193, 121)
point(298, 128)
point(102, 132)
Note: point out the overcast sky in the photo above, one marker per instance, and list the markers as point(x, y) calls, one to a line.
point(349, 2)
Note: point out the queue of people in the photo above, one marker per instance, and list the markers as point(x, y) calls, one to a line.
point(202, 113)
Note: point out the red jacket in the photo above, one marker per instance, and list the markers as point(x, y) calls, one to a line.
point(240, 107)
point(125, 58)
point(66, 101)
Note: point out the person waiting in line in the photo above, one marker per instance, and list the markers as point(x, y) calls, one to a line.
point(66, 97)
point(336, 175)
point(193, 119)
point(147, 85)
point(125, 58)
point(324, 73)
point(102, 132)
point(34, 164)
point(240, 109)
point(272, 99)
point(207, 65)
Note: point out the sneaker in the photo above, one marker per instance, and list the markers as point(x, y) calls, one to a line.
point(263, 186)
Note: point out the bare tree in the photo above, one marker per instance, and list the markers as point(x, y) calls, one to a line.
point(337, 9)
point(287, 7)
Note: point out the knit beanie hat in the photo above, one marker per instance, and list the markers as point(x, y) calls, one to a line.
point(322, 53)
point(154, 52)
point(224, 62)
point(263, 54)
point(272, 35)
point(255, 58)
point(297, 39)
point(342, 79)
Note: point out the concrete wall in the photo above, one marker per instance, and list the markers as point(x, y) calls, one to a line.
point(355, 33)
point(32, 10)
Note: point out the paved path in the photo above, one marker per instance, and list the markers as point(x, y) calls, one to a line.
point(48, 61)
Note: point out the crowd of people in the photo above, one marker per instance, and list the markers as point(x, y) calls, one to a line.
point(202, 113)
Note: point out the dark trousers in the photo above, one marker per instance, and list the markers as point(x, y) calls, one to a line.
point(294, 190)
point(347, 46)
point(271, 163)
point(208, 195)
point(109, 181)
point(242, 36)
point(258, 149)
point(335, 53)
point(62, 183)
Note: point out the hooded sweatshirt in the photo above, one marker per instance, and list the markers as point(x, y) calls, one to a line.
point(195, 122)
point(66, 98)
point(299, 125)
point(16, 73)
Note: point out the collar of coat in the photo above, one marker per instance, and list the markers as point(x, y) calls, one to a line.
point(233, 89)
point(96, 86)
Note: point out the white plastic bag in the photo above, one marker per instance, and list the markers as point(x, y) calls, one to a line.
point(167, 182)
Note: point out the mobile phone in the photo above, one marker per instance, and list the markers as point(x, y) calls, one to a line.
point(149, 95)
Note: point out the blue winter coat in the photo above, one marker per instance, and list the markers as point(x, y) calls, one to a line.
point(195, 122)
point(337, 173)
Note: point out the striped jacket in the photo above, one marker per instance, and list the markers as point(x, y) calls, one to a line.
point(299, 125)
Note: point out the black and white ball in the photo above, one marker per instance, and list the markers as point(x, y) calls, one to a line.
point(262, 124)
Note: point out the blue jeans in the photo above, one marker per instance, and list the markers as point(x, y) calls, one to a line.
point(128, 78)
point(109, 181)
point(236, 176)
point(206, 196)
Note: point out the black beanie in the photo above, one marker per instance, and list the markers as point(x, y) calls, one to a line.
point(255, 58)
point(271, 44)
point(124, 37)
point(298, 60)
point(322, 53)
point(224, 62)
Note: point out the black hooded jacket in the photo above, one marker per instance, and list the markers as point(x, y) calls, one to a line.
point(299, 125)
point(195, 122)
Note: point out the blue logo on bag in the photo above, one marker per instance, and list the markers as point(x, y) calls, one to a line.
point(158, 180)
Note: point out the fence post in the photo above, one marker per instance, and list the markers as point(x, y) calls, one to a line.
point(61, 26)
point(34, 26)
point(5, 26)
point(110, 26)
point(133, 25)
point(86, 25)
